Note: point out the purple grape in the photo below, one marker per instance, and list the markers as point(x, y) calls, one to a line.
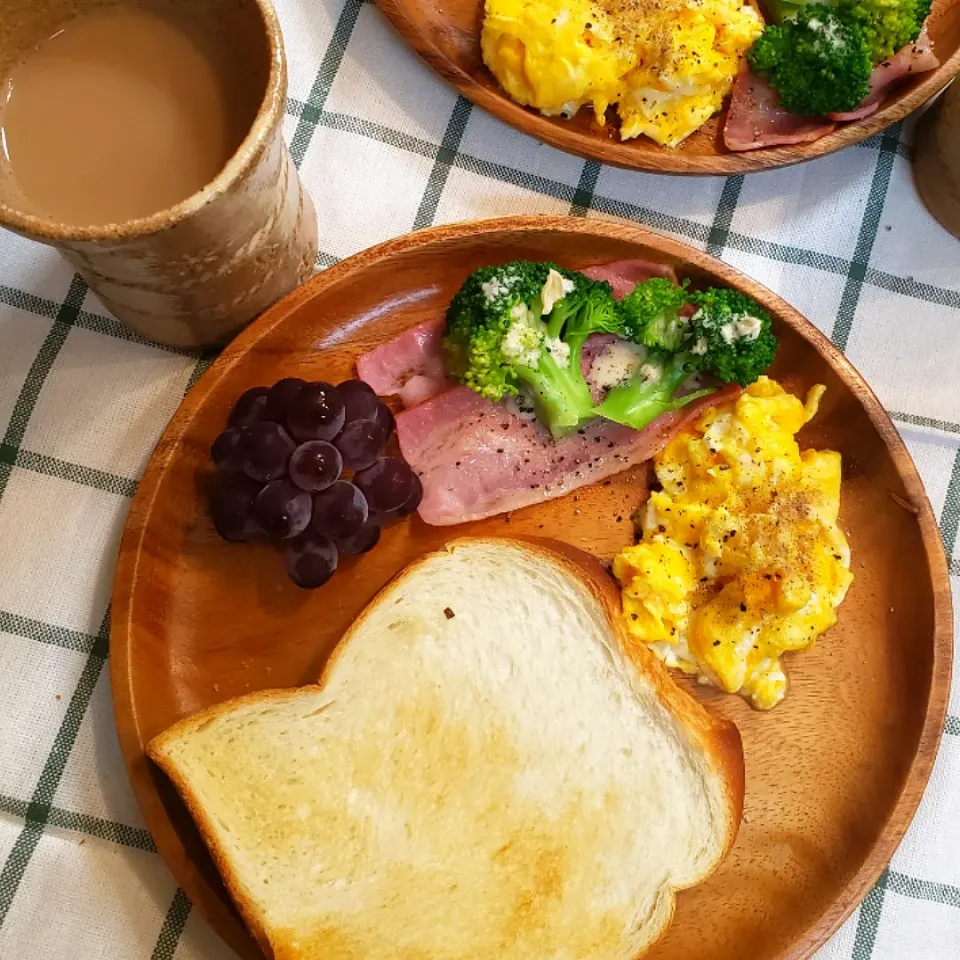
point(387, 484)
point(315, 413)
point(280, 399)
point(340, 510)
point(366, 538)
point(385, 418)
point(266, 451)
point(413, 501)
point(311, 559)
point(249, 408)
point(314, 465)
point(360, 442)
point(282, 510)
point(231, 508)
point(227, 450)
point(359, 400)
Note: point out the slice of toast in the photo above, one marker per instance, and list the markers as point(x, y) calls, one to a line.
point(488, 769)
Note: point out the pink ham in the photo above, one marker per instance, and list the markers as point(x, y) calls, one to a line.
point(916, 57)
point(410, 365)
point(756, 119)
point(624, 275)
point(595, 344)
point(477, 459)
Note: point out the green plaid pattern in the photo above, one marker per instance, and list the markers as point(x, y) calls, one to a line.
point(385, 148)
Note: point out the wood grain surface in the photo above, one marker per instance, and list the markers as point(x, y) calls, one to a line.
point(834, 774)
point(446, 33)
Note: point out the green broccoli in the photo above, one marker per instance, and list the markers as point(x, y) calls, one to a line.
point(731, 335)
point(588, 309)
point(523, 325)
point(887, 25)
point(818, 63)
point(728, 337)
point(651, 314)
point(651, 391)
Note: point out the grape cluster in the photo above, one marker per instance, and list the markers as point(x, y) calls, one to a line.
point(281, 462)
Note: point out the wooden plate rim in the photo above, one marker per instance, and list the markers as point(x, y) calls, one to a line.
point(674, 162)
point(133, 542)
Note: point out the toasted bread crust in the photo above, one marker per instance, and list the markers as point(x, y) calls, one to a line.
point(719, 739)
point(157, 752)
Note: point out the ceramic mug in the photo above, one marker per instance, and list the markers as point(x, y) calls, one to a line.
point(936, 164)
point(194, 274)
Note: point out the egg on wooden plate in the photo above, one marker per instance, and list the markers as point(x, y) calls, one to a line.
point(666, 64)
point(741, 558)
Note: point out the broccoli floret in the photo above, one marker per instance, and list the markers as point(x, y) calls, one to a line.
point(731, 336)
point(522, 326)
point(651, 314)
point(818, 63)
point(887, 25)
point(589, 308)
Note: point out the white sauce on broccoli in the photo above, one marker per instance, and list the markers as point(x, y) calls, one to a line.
point(741, 327)
point(616, 364)
point(559, 350)
point(493, 288)
point(700, 347)
point(651, 372)
point(522, 342)
point(556, 288)
point(826, 31)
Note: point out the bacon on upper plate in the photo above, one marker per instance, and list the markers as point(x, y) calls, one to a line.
point(476, 459)
point(916, 57)
point(756, 119)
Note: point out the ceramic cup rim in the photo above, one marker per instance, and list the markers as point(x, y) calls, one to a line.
point(269, 114)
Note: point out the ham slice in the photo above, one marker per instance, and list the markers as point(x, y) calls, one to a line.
point(756, 119)
point(624, 275)
point(476, 459)
point(594, 345)
point(916, 57)
point(410, 365)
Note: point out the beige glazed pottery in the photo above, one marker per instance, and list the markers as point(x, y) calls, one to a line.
point(193, 274)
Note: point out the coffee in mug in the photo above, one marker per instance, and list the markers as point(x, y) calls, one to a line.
point(142, 137)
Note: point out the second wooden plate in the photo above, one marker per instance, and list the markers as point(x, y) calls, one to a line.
point(446, 33)
point(834, 773)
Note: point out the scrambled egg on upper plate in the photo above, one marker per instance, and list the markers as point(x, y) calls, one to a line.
point(741, 557)
point(667, 64)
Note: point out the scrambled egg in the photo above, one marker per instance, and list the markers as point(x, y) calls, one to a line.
point(667, 64)
point(741, 558)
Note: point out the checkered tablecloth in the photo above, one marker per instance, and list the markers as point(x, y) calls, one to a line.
point(385, 148)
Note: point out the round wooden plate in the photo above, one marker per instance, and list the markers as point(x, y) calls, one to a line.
point(446, 33)
point(834, 773)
